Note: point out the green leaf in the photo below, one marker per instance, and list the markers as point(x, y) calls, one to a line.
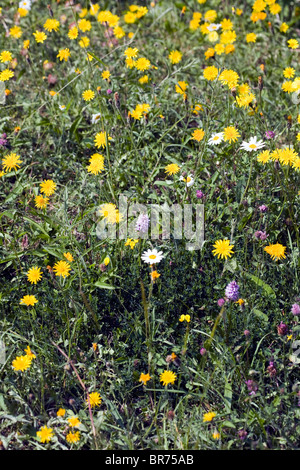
point(260, 314)
point(102, 285)
point(35, 224)
point(268, 289)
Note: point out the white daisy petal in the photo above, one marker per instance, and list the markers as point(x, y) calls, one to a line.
point(152, 256)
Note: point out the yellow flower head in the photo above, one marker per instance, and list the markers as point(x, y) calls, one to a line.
point(28, 300)
point(21, 363)
point(198, 135)
point(62, 268)
point(144, 378)
point(11, 162)
point(167, 377)
point(223, 249)
point(45, 434)
point(34, 275)
point(209, 416)
point(73, 437)
point(175, 57)
point(88, 95)
point(100, 139)
point(172, 169)
point(64, 54)
point(276, 251)
point(95, 399)
point(48, 187)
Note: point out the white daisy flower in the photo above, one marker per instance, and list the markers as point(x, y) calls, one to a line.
point(252, 145)
point(95, 118)
point(152, 256)
point(216, 138)
point(62, 107)
point(189, 180)
point(213, 27)
point(26, 4)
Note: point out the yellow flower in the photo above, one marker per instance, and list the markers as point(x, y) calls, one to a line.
point(28, 300)
point(29, 353)
point(210, 52)
point(154, 275)
point(40, 36)
point(73, 33)
point(198, 135)
point(45, 434)
point(110, 213)
point(264, 156)
point(26, 44)
point(95, 399)
point(275, 9)
point(84, 25)
point(210, 73)
point(276, 251)
point(172, 169)
point(62, 268)
point(74, 422)
point(293, 43)
point(229, 78)
point(142, 64)
point(100, 139)
point(210, 15)
point(69, 257)
point(119, 32)
point(96, 164)
point(84, 42)
point(11, 161)
point(251, 37)
point(219, 49)
point(106, 74)
point(48, 187)
point(144, 378)
point(106, 261)
point(216, 435)
point(73, 437)
point(167, 377)
point(5, 56)
point(223, 249)
point(130, 17)
point(228, 37)
point(21, 363)
point(15, 32)
point(231, 134)
point(226, 24)
point(6, 75)
point(287, 86)
point(63, 54)
point(144, 79)
point(88, 95)
point(283, 27)
point(131, 53)
point(61, 412)
point(186, 318)
point(289, 72)
point(51, 25)
point(209, 416)
point(175, 57)
point(34, 275)
point(41, 201)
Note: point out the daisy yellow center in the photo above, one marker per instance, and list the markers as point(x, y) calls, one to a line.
point(252, 146)
point(152, 256)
